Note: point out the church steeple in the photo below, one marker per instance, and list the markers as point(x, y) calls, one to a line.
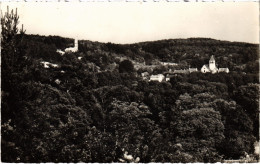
point(212, 64)
point(212, 59)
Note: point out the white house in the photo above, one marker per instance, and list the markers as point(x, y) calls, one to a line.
point(223, 70)
point(57, 81)
point(181, 71)
point(193, 70)
point(205, 68)
point(169, 64)
point(60, 52)
point(159, 77)
point(73, 49)
point(48, 64)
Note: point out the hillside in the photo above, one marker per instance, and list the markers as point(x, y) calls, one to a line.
point(193, 52)
point(94, 106)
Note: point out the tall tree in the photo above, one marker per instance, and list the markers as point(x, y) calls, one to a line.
point(13, 71)
point(13, 60)
point(11, 40)
point(126, 66)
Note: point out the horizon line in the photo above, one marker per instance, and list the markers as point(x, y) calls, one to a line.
point(199, 37)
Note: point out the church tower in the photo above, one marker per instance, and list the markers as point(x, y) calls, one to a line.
point(212, 63)
point(76, 45)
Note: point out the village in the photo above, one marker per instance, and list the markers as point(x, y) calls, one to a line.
point(166, 75)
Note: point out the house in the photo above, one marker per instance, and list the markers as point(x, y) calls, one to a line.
point(181, 71)
point(169, 64)
point(193, 70)
point(48, 64)
point(45, 64)
point(159, 77)
point(73, 49)
point(223, 70)
point(205, 68)
point(57, 81)
point(211, 67)
point(60, 52)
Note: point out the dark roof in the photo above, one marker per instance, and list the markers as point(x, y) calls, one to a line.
point(180, 71)
point(169, 76)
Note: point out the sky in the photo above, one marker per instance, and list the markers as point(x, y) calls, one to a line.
point(131, 22)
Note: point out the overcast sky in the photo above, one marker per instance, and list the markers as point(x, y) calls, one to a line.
point(129, 22)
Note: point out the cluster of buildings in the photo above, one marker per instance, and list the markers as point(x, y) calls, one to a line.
point(206, 68)
point(211, 67)
point(70, 49)
point(67, 50)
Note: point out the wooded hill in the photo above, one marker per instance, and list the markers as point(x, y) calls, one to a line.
point(101, 110)
point(193, 52)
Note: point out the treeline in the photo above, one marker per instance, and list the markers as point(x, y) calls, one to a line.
point(194, 52)
point(102, 111)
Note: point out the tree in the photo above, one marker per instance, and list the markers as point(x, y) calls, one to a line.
point(148, 57)
point(126, 66)
point(49, 122)
point(135, 132)
point(11, 41)
point(248, 97)
point(13, 58)
point(13, 72)
point(199, 131)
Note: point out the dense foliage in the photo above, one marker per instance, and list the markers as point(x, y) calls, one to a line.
point(98, 109)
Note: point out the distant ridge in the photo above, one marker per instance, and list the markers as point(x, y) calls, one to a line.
point(171, 39)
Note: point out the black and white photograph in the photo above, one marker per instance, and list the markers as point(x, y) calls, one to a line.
point(129, 81)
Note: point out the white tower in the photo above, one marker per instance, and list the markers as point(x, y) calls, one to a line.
point(73, 49)
point(76, 44)
point(212, 64)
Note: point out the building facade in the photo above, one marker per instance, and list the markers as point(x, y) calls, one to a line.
point(211, 67)
point(159, 77)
